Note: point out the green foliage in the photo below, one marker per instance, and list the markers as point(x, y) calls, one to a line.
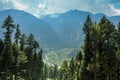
point(22, 42)
point(64, 70)
point(17, 34)
point(55, 71)
point(88, 52)
point(9, 26)
point(87, 25)
point(19, 62)
point(58, 56)
point(72, 69)
point(99, 59)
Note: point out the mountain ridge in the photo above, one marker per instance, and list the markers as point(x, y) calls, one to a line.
point(61, 31)
point(68, 25)
point(31, 24)
point(60, 36)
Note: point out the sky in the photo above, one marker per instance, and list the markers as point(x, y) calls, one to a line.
point(43, 7)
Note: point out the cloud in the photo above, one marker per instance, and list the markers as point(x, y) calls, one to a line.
point(117, 11)
point(55, 6)
point(5, 1)
point(40, 7)
point(94, 6)
point(5, 4)
point(13, 4)
point(19, 5)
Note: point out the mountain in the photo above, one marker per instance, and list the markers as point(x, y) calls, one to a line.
point(69, 25)
point(60, 35)
point(43, 32)
point(54, 30)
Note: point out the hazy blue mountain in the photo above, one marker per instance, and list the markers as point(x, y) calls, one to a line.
point(56, 30)
point(69, 25)
point(60, 35)
point(44, 33)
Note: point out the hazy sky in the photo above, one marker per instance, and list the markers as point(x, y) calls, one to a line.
point(41, 7)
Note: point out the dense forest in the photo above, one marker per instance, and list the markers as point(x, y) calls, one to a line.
point(99, 58)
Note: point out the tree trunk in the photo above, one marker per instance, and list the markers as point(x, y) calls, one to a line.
point(13, 77)
point(107, 78)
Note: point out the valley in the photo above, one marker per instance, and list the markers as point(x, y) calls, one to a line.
point(59, 36)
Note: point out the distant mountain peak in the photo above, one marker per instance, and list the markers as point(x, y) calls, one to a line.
point(12, 10)
point(30, 24)
point(76, 11)
point(16, 11)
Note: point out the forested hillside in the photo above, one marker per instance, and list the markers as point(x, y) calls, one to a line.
point(56, 34)
point(98, 59)
point(21, 58)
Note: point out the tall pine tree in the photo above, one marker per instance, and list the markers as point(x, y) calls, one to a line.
point(17, 34)
point(7, 54)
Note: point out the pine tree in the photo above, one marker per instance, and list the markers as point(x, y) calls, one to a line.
point(17, 34)
point(1, 46)
point(55, 72)
point(45, 74)
point(9, 26)
point(22, 42)
point(19, 62)
point(87, 47)
point(106, 48)
point(21, 66)
point(87, 50)
point(95, 40)
point(35, 45)
point(117, 38)
point(29, 54)
point(40, 64)
point(1, 50)
point(7, 54)
point(50, 72)
point(79, 57)
point(78, 61)
point(71, 69)
point(64, 70)
point(15, 50)
point(35, 67)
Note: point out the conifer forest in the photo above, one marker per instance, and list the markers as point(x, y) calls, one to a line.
point(21, 56)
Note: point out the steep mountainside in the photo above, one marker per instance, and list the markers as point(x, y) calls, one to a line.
point(43, 32)
point(69, 25)
point(60, 35)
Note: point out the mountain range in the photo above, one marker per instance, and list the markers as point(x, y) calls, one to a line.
point(42, 31)
point(60, 35)
point(69, 25)
point(55, 30)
